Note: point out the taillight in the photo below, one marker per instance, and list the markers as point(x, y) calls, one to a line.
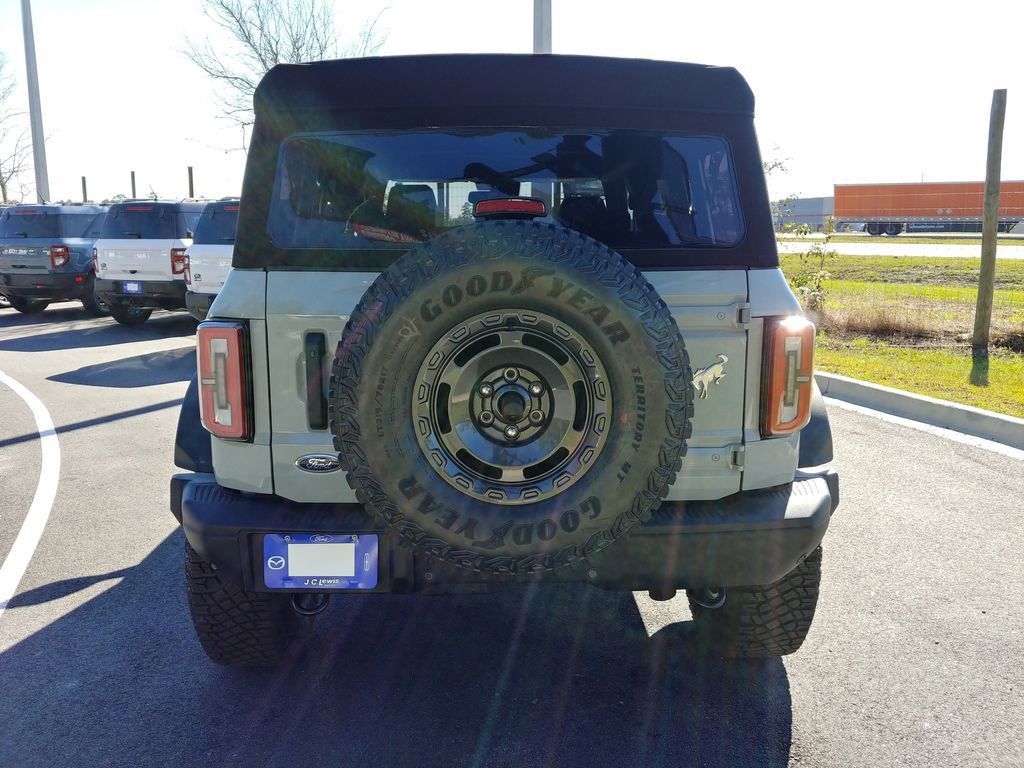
point(510, 206)
point(59, 255)
point(224, 389)
point(177, 261)
point(187, 271)
point(789, 375)
point(95, 261)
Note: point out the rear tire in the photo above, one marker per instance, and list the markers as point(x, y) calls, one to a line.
point(128, 315)
point(236, 628)
point(762, 621)
point(28, 306)
point(95, 306)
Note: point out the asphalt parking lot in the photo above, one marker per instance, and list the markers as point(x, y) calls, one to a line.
point(916, 657)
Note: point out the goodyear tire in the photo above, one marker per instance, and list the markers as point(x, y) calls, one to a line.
point(511, 397)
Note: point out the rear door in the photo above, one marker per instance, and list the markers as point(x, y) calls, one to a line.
point(26, 234)
point(136, 241)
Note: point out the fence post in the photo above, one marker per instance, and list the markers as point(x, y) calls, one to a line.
point(989, 237)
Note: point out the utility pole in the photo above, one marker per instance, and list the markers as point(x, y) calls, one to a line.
point(542, 26)
point(34, 110)
point(191, 189)
point(989, 227)
point(133, 185)
point(85, 194)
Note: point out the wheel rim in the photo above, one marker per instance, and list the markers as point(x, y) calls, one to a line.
point(511, 407)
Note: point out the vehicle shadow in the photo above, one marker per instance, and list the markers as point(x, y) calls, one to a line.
point(98, 333)
point(559, 676)
point(139, 371)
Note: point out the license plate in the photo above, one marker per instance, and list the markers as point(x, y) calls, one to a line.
point(319, 561)
point(131, 286)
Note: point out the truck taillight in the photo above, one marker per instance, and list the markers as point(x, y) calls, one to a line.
point(789, 375)
point(187, 270)
point(225, 401)
point(177, 261)
point(59, 255)
point(96, 260)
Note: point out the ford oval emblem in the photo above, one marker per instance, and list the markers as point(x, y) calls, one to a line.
point(318, 463)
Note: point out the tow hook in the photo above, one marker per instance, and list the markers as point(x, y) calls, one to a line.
point(310, 604)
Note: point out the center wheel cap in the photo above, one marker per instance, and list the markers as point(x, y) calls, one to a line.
point(511, 407)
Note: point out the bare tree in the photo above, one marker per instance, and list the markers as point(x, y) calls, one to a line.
point(269, 32)
point(15, 147)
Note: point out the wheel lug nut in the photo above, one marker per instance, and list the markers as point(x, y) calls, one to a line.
point(511, 374)
point(486, 418)
point(536, 417)
point(536, 388)
point(511, 431)
point(486, 390)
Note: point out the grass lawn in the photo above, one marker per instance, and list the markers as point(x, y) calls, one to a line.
point(967, 239)
point(937, 372)
point(907, 269)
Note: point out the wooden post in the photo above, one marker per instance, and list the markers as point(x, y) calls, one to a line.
point(133, 185)
point(990, 226)
point(85, 194)
point(191, 189)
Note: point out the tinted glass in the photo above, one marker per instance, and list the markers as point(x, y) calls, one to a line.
point(26, 222)
point(629, 189)
point(217, 225)
point(95, 226)
point(76, 224)
point(139, 220)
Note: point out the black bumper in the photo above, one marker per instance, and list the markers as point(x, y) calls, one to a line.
point(749, 538)
point(159, 294)
point(56, 286)
point(198, 304)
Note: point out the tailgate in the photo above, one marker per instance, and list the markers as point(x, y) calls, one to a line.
point(25, 257)
point(142, 259)
point(709, 306)
point(209, 266)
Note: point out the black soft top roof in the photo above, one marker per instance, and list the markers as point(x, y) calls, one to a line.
point(479, 84)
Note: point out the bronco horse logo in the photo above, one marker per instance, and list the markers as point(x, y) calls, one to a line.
point(708, 375)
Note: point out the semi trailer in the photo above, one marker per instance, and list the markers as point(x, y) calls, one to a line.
point(889, 209)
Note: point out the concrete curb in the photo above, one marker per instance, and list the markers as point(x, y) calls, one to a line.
point(939, 413)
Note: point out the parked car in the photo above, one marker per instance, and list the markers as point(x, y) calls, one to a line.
point(46, 255)
point(533, 334)
point(208, 259)
point(140, 256)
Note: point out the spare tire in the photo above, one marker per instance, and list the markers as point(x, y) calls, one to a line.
point(511, 397)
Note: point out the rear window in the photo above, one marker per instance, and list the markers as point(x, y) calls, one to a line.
point(147, 221)
point(217, 225)
point(629, 189)
point(29, 223)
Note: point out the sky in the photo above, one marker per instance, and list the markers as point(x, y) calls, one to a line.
point(846, 92)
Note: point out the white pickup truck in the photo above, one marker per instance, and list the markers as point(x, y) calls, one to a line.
point(208, 259)
point(140, 256)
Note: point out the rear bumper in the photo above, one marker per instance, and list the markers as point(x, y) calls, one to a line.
point(162, 294)
point(46, 286)
point(198, 304)
point(749, 538)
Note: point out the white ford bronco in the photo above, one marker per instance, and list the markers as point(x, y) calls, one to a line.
point(499, 319)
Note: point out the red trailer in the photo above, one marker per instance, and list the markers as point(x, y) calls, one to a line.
point(954, 206)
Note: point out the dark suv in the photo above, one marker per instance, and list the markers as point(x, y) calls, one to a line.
point(46, 255)
point(500, 320)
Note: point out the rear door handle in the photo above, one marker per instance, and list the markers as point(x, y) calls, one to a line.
point(315, 348)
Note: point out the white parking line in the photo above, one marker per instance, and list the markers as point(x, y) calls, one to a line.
point(24, 547)
point(948, 434)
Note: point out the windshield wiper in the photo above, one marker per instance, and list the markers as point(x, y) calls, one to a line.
point(21, 234)
point(136, 235)
point(228, 239)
